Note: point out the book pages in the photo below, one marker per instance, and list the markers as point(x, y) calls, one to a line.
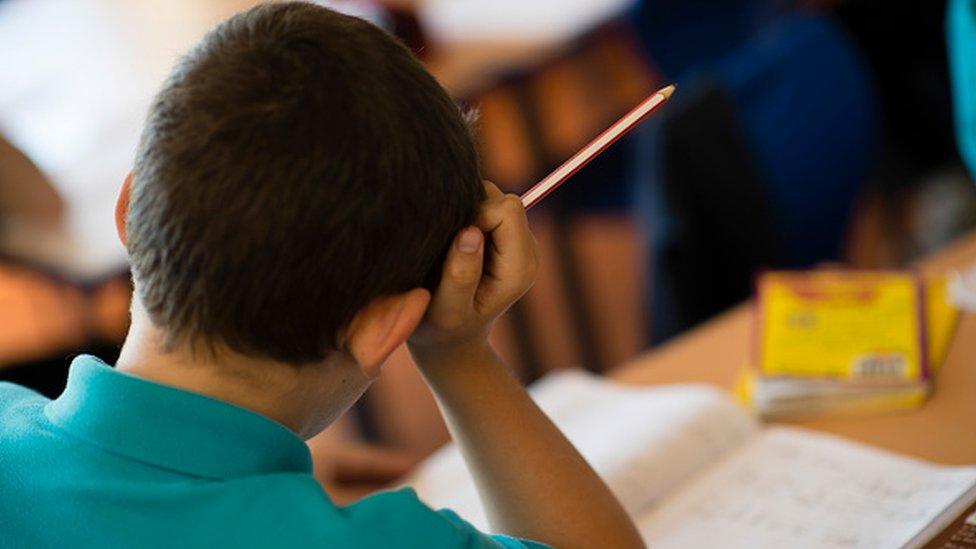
point(796, 488)
point(643, 441)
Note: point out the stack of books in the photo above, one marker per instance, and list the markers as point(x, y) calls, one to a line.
point(842, 342)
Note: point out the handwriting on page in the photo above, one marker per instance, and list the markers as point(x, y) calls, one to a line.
point(790, 488)
point(643, 442)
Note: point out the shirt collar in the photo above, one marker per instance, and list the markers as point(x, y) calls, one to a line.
point(172, 428)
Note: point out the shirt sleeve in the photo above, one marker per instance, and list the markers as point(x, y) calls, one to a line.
point(400, 515)
point(490, 540)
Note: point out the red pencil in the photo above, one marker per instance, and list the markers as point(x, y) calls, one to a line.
point(620, 128)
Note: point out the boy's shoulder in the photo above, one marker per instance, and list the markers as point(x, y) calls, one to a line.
point(279, 509)
point(409, 519)
point(395, 517)
point(374, 521)
point(11, 392)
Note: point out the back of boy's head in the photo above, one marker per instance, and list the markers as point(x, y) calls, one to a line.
point(296, 165)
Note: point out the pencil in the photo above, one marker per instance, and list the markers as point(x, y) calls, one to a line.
point(620, 128)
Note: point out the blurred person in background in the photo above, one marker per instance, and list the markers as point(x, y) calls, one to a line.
point(24, 191)
point(43, 314)
point(961, 39)
point(804, 132)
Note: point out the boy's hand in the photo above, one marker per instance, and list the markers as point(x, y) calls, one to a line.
point(486, 270)
point(532, 481)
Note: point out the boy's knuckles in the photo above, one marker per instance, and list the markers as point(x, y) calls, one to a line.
point(501, 201)
point(511, 203)
point(488, 212)
point(494, 206)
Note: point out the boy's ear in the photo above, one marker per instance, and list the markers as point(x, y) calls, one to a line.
point(382, 326)
point(122, 207)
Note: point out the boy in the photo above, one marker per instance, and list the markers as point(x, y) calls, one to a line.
point(299, 178)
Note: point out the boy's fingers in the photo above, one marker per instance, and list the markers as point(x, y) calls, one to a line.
point(498, 209)
point(462, 270)
point(514, 253)
point(492, 191)
point(504, 220)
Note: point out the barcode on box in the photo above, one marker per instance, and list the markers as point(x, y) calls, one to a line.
point(880, 365)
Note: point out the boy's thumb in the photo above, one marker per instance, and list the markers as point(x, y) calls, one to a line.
point(469, 240)
point(462, 268)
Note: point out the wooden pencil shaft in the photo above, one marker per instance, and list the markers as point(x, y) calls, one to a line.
point(620, 128)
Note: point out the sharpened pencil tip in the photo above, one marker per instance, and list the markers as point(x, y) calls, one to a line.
point(666, 92)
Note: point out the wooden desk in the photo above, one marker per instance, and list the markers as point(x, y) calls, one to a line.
point(943, 430)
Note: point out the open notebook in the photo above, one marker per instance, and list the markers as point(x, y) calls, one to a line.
point(694, 470)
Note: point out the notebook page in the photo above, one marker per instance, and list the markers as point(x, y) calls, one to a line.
point(643, 441)
point(795, 488)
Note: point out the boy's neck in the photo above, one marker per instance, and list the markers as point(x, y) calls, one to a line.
point(304, 398)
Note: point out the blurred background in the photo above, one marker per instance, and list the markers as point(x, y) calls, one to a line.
point(802, 133)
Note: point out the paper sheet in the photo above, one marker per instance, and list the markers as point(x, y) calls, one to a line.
point(794, 488)
point(643, 441)
point(962, 288)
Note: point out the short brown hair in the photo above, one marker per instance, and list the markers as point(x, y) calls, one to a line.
point(297, 164)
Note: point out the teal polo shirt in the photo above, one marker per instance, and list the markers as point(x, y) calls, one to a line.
point(119, 461)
